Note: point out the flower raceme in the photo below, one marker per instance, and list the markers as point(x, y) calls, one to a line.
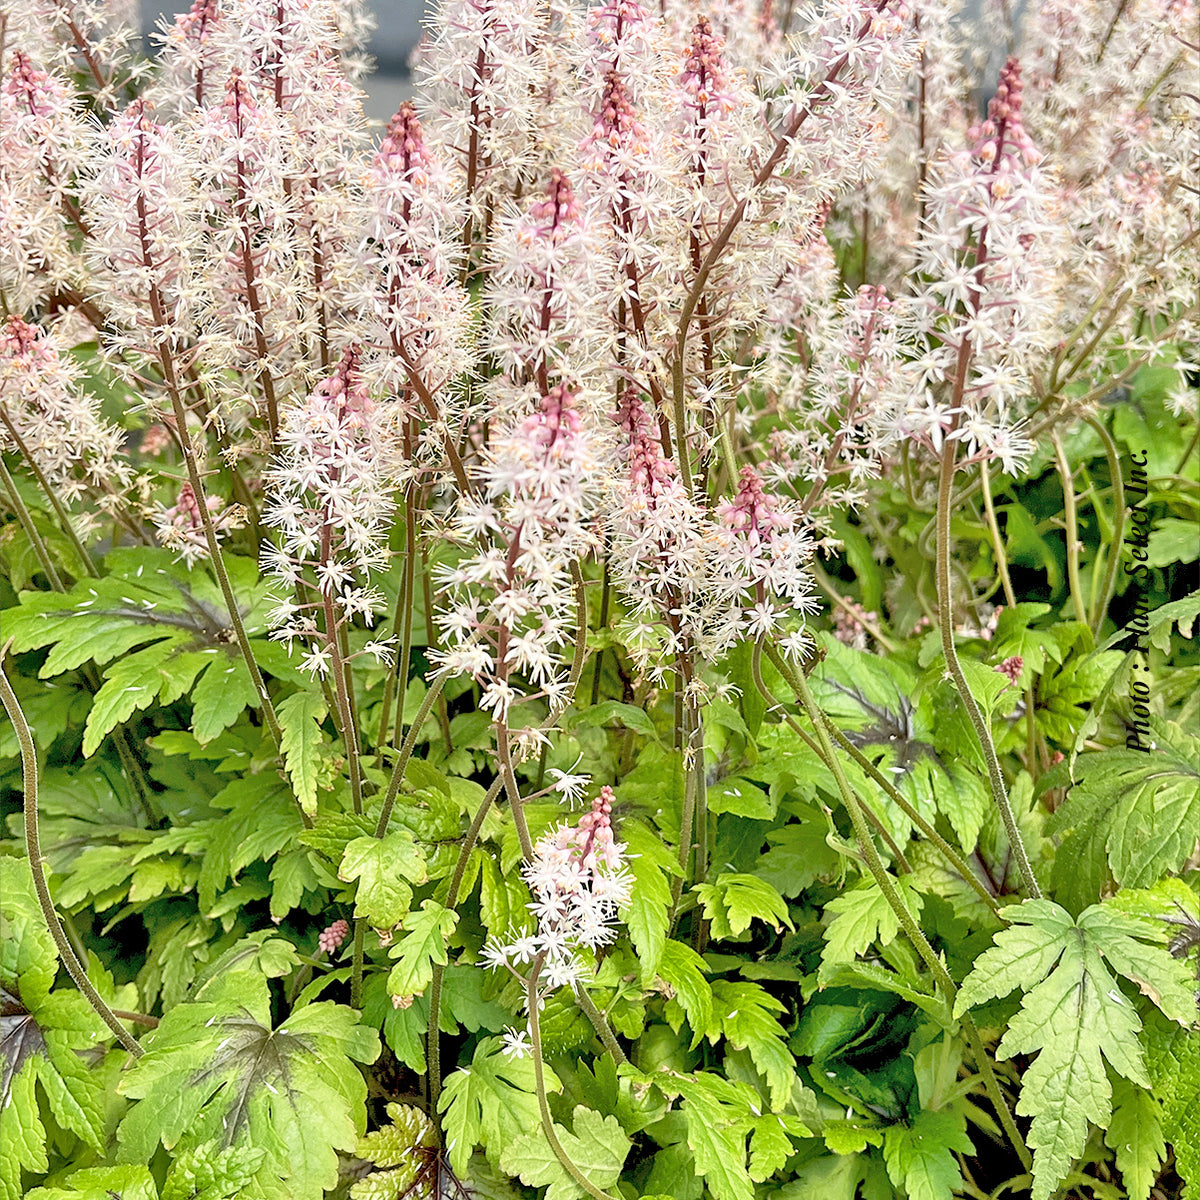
point(579, 882)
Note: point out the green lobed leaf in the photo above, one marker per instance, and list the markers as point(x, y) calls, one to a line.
point(646, 916)
point(43, 1032)
point(682, 970)
point(300, 716)
point(1074, 1017)
point(215, 1068)
point(733, 901)
point(920, 1157)
point(423, 944)
point(718, 1113)
point(382, 866)
point(862, 918)
point(746, 1015)
point(598, 1147)
point(491, 1103)
point(1136, 1138)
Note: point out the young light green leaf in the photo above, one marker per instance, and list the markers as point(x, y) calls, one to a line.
point(491, 1103)
point(598, 1147)
point(43, 1033)
point(1141, 811)
point(1135, 1135)
point(682, 969)
point(1074, 1017)
point(210, 1172)
point(130, 685)
point(863, 917)
point(745, 1014)
point(423, 944)
point(225, 690)
point(300, 716)
point(381, 867)
point(732, 901)
point(1173, 1056)
point(718, 1114)
point(102, 1183)
point(920, 1157)
point(215, 1068)
point(646, 914)
point(799, 854)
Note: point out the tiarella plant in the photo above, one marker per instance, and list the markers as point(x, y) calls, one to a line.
point(629, 635)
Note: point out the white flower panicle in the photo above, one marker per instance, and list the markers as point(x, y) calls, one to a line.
point(42, 145)
point(511, 607)
point(47, 416)
point(989, 297)
point(579, 881)
point(142, 205)
point(329, 498)
point(403, 287)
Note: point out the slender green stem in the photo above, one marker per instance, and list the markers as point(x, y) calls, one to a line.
point(33, 851)
point(1071, 520)
point(1103, 598)
point(600, 1025)
point(31, 531)
point(897, 797)
point(901, 910)
point(64, 518)
point(433, 1041)
point(539, 1081)
point(405, 753)
point(579, 657)
point(985, 483)
point(356, 971)
point(688, 816)
point(946, 622)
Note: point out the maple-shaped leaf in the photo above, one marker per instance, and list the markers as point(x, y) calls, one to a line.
point(1136, 812)
point(423, 945)
point(215, 1069)
point(598, 1147)
point(1074, 1017)
point(41, 1032)
point(492, 1102)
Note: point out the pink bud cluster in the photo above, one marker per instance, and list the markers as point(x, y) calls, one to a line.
point(180, 527)
point(332, 936)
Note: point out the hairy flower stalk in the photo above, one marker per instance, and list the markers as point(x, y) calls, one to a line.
point(330, 501)
point(404, 291)
point(511, 609)
point(143, 215)
point(482, 74)
point(985, 218)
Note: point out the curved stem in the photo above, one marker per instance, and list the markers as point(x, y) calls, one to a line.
point(432, 1037)
point(946, 623)
point(401, 764)
point(903, 914)
point(989, 509)
point(33, 851)
point(26, 522)
point(1071, 516)
point(1104, 597)
point(539, 1081)
point(600, 1025)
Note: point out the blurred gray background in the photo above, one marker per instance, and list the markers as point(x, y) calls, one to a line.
point(398, 28)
